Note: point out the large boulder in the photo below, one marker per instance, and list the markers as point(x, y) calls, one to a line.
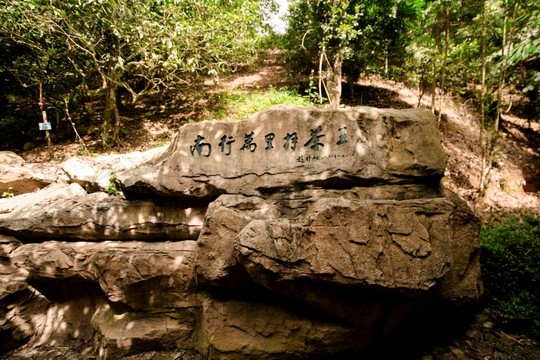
point(134, 332)
point(285, 148)
point(98, 173)
point(338, 245)
point(119, 298)
point(297, 233)
point(266, 329)
point(389, 244)
point(226, 217)
point(147, 276)
point(15, 207)
point(68, 212)
point(23, 310)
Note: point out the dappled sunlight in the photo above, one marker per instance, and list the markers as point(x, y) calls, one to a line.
point(271, 73)
point(178, 261)
point(98, 217)
point(50, 270)
point(19, 321)
point(402, 93)
point(119, 316)
point(66, 314)
point(55, 324)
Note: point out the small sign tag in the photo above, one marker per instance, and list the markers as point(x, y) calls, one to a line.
point(45, 126)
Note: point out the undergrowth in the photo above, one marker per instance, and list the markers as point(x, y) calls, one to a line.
point(238, 105)
point(511, 271)
point(112, 189)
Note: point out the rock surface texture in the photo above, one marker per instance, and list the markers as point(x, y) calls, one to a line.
point(297, 233)
point(16, 179)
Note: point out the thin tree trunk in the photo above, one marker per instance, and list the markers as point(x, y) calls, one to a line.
point(111, 118)
point(334, 82)
point(321, 82)
point(491, 135)
point(506, 45)
point(435, 59)
point(443, 75)
point(44, 116)
point(484, 134)
point(421, 90)
point(502, 71)
point(68, 116)
point(434, 86)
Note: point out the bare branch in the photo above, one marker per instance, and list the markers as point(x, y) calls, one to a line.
point(304, 38)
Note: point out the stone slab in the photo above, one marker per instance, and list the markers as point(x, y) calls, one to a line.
point(288, 147)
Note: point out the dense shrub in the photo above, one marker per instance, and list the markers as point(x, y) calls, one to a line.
point(511, 271)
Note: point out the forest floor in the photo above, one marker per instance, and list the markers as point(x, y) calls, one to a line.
point(514, 181)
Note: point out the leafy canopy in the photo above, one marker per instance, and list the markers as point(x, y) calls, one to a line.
point(156, 42)
point(363, 32)
point(137, 45)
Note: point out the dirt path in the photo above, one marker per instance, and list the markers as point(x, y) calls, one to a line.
point(271, 73)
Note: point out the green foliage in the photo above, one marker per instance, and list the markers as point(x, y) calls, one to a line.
point(9, 193)
point(512, 23)
point(367, 34)
point(160, 144)
point(12, 126)
point(510, 264)
point(312, 93)
point(80, 46)
point(238, 106)
point(112, 188)
point(158, 41)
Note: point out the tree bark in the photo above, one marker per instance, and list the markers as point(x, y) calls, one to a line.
point(111, 118)
point(334, 82)
point(443, 74)
point(484, 134)
point(435, 58)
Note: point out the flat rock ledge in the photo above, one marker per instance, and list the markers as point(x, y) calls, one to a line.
point(297, 233)
point(17, 177)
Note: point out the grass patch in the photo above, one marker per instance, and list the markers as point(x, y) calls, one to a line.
point(511, 271)
point(237, 105)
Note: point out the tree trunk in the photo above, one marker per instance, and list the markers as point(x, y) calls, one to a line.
point(435, 59)
point(352, 77)
point(484, 134)
point(334, 82)
point(434, 85)
point(111, 118)
point(443, 74)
